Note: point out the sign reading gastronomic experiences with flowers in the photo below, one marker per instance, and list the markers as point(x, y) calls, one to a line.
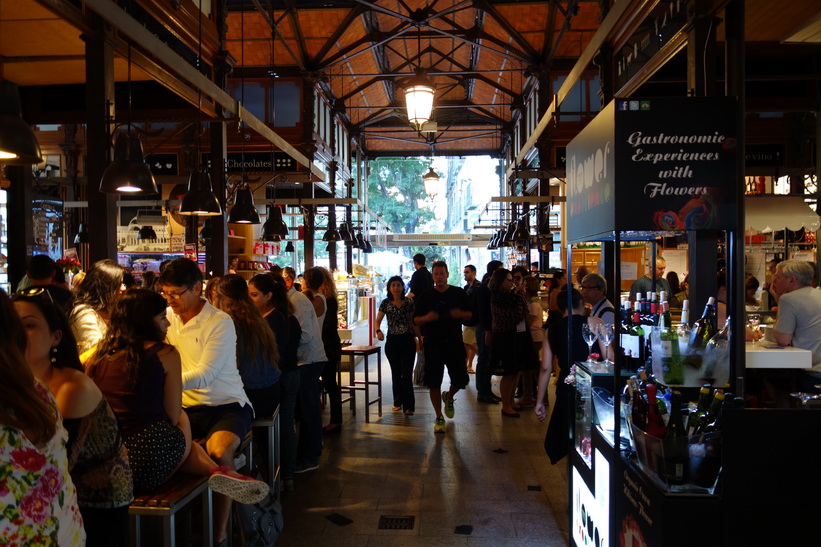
point(654, 164)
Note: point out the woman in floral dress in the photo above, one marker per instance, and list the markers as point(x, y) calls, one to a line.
point(37, 496)
point(97, 457)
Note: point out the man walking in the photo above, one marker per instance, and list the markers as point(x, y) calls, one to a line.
point(421, 279)
point(469, 333)
point(440, 312)
point(484, 323)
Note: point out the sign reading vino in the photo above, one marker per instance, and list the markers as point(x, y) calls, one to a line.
point(654, 164)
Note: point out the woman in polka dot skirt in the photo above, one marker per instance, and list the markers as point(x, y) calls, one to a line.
point(140, 377)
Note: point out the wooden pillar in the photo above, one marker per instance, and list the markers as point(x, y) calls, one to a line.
point(102, 208)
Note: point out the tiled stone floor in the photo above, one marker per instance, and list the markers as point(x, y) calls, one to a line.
point(397, 466)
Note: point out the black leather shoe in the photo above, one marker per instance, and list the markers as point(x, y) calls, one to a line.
point(487, 399)
point(494, 397)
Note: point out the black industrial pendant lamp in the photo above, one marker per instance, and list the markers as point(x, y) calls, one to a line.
point(147, 233)
point(128, 173)
point(332, 234)
point(82, 235)
point(289, 248)
point(345, 233)
point(522, 235)
point(274, 228)
point(200, 199)
point(244, 211)
point(18, 144)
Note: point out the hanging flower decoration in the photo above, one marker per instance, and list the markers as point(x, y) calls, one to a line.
point(70, 265)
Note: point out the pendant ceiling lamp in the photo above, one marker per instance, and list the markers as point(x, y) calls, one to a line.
point(419, 92)
point(419, 99)
point(128, 173)
point(18, 144)
point(200, 199)
point(431, 175)
point(244, 211)
point(289, 248)
point(522, 235)
point(345, 233)
point(360, 241)
point(82, 235)
point(147, 233)
point(274, 228)
point(502, 241)
point(332, 234)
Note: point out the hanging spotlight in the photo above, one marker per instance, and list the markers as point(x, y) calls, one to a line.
point(147, 233)
point(128, 173)
point(244, 211)
point(522, 235)
point(82, 235)
point(274, 228)
point(344, 232)
point(200, 199)
point(18, 144)
point(360, 241)
point(502, 241)
point(419, 99)
point(289, 248)
point(332, 234)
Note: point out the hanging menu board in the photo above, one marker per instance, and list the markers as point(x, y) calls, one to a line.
point(654, 164)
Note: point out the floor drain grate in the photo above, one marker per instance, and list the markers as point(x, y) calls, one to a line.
point(396, 523)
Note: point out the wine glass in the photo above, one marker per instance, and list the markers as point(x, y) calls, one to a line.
point(606, 332)
point(589, 334)
point(755, 320)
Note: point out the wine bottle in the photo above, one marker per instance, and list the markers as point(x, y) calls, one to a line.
point(703, 328)
point(675, 444)
point(655, 424)
point(672, 372)
point(711, 414)
point(701, 409)
point(666, 319)
point(685, 313)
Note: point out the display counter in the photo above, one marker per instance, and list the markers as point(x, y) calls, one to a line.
point(771, 355)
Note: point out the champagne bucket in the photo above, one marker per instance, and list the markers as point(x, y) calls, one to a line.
point(675, 363)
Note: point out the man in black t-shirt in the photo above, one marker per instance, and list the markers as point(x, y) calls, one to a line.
point(421, 280)
point(440, 313)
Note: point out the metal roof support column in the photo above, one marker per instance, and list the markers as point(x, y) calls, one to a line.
point(102, 208)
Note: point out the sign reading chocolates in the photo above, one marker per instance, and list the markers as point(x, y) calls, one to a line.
point(654, 164)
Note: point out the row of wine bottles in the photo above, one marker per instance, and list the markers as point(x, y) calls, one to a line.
point(678, 434)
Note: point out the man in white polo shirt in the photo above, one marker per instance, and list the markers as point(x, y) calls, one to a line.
point(213, 395)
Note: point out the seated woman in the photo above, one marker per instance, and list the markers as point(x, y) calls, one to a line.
point(140, 376)
point(38, 501)
point(95, 299)
point(97, 457)
point(257, 352)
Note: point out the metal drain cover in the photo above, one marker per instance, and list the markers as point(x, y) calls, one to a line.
point(396, 523)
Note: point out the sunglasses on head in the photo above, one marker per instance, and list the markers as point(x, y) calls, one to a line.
point(32, 292)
